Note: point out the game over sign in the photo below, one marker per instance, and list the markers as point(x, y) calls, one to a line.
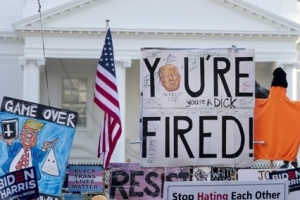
point(36, 135)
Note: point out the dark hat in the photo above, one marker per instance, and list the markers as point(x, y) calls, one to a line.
point(279, 78)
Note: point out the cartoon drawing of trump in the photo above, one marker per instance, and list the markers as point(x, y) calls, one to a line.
point(25, 154)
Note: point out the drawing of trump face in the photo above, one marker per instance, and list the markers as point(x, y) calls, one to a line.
point(29, 133)
point(169, 77)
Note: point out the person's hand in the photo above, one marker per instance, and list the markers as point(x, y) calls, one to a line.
point(8, 141)
point(49, 144)
point(46, 145)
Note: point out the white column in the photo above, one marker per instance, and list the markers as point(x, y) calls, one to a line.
point(121, 65)
point(31, 73)
point(290, 69)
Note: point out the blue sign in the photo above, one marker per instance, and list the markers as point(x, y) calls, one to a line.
point(293, 175)
point(35, 135)
point(21, 184)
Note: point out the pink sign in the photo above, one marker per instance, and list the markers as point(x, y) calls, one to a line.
point(131, 181)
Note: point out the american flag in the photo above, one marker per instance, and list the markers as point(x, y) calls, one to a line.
point(107, 98)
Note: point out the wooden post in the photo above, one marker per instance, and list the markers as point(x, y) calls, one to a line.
point(271, 164)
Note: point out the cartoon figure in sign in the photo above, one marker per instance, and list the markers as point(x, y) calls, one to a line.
point(169, 77)
point(50, 165)
point(200, 175)
point(25, 154)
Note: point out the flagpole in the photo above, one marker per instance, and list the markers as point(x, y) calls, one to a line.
point(104, 178)
point(107, 24)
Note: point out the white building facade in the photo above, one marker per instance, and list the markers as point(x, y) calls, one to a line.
point(50, 57)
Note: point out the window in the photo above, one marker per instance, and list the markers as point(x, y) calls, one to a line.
point(75, 92)
point(74, 98)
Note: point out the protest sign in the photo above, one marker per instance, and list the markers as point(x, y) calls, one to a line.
point(85, 178)
point(43, 139)
point(201, 173)
point(179, 137)
point(262, 174)
point(292, 175)
point(130, 181)
point(197, 107)
point(226, 190)
point(254, 174)
point(177, 174)
point(223, 173)
point(21, 184)
point(197, 78)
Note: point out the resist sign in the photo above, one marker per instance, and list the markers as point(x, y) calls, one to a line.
point(227, 190)
point(130, 181)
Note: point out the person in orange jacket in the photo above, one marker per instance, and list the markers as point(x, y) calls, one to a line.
point(280, 81)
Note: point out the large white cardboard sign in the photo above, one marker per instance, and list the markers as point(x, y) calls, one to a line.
point(197, 107)
point(227, 190)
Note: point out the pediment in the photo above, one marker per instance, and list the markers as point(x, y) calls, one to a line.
point(189, 16)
